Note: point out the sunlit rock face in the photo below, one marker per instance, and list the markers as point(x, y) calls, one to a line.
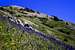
point(25, 29)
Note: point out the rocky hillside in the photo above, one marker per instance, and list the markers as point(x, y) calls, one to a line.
point(26, 29)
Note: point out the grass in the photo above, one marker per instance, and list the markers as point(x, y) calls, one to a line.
point(12, 38)
point(15, 39)
point(50, 31)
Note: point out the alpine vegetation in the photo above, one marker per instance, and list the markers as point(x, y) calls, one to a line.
point(26, 29)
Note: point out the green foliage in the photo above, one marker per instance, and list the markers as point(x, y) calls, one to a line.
point(65, 30)
point(18, 15)
point(12, 38)
point(44, 20)
point(29, 10)
point(53, 24)
point(15, 39)
point(55, 18)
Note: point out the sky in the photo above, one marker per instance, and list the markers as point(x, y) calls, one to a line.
point(63, 9)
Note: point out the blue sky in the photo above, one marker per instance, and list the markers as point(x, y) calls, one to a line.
point(64, 9)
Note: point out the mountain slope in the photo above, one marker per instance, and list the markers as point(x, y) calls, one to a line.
point(25, 29)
